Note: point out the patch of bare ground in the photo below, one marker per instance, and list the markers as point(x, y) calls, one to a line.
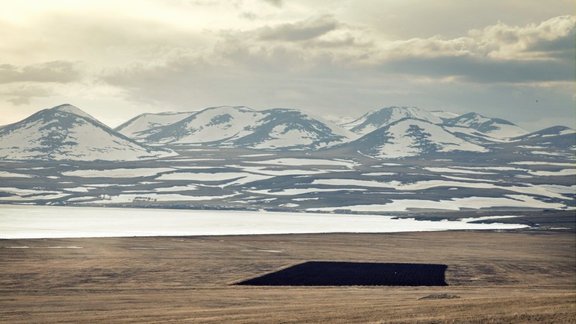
point(499, 277)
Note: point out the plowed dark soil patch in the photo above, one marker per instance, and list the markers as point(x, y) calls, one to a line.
point(316, 273)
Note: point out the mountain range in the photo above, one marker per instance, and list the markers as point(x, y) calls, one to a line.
point(67, 133)
point(233, 157)
point(237, 127)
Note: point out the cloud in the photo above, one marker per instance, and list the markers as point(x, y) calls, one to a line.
point(24, 94)
point(275, 3)
point(55, 71)
point(500, 41)
point(343, 68)
point(472, 69)
point(96, 40)
point(323, 52)
point(327, 56)
point(527, 42)
point(532, 53)
point(499, 53)
point(299, 31)
point(405, 19)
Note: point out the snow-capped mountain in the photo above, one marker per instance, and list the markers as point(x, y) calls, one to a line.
point(386, 116)
point(240, 126)
point(471, 123)
point(146, 124)
point(67, 133)
point(548, 132)
point(292, 129)
point(214, 124)
point(289, 129)
point(494, 127)
point(552, 137)
point(309, 164)
point(411, 137)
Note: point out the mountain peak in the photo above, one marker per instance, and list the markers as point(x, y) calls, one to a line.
point(66, 132)
point(230, 108)
point(68, 108)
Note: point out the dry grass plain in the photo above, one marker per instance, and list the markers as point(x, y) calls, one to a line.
point(498, 276)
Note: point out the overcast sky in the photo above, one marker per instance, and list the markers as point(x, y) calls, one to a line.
point(513, 59)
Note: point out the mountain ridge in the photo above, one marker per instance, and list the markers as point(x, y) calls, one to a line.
point(400, 131)
point(242, 126)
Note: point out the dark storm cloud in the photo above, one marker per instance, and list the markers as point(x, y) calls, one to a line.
point(55, 71)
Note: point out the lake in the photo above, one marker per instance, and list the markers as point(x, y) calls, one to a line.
point(19, 221)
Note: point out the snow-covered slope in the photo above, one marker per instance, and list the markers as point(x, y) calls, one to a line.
point(67, 133)
point(386, 116)
point(76, 111)
point(444, 114)
point(411, 137)
point(552, 137)
point(144, 125)
point(548, 132)
point(239, 126)
point(494, 127)
point(292, 129)
point(212, 124)
point(470, 123)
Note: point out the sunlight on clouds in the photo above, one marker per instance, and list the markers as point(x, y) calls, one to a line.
point(513, 42)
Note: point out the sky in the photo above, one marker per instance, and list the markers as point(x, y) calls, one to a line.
point(512, 59)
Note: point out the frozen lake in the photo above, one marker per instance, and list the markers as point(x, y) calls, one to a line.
point(66, 222)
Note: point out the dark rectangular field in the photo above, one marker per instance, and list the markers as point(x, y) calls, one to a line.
point(318, 273)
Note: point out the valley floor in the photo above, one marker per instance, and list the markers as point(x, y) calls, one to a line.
point(497, 276)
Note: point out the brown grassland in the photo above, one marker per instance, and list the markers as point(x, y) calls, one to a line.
point(498, 276)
